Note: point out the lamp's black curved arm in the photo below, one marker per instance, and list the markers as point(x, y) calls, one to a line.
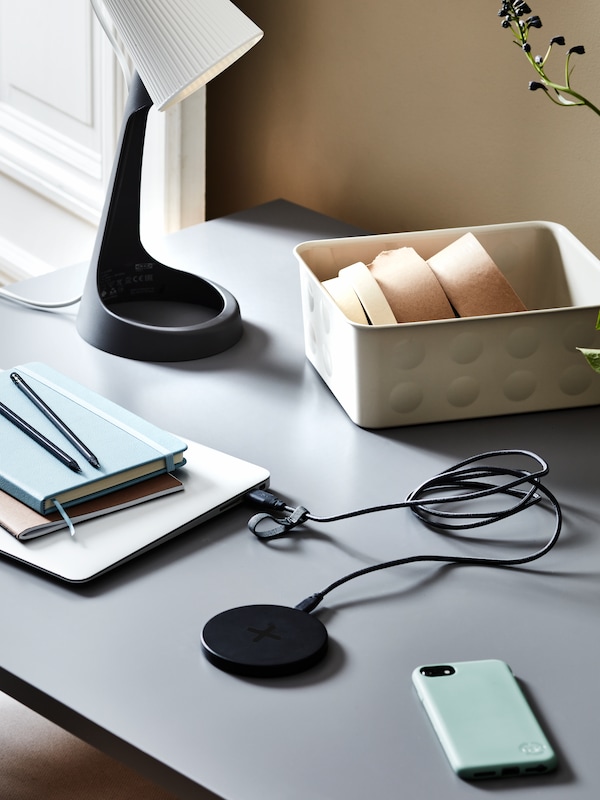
point(124, 278)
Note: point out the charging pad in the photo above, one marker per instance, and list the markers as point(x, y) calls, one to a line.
point(264, 641)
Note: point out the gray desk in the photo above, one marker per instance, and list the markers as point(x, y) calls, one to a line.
point(118, 661)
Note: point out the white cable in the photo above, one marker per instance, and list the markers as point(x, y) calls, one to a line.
point(40, 304)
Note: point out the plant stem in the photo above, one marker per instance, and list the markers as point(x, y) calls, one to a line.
point(520, 30)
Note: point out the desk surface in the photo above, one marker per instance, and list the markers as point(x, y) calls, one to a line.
point(118, 661)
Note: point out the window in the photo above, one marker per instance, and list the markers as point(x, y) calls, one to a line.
point(61, 95)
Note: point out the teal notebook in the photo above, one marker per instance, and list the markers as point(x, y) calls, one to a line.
point(129, 448)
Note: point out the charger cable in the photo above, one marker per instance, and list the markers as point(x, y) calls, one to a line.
point(445, 502)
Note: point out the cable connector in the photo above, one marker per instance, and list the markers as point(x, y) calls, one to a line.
point(266, 500)
point(310, 603)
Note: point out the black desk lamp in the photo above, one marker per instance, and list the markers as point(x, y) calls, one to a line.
point(132, 305)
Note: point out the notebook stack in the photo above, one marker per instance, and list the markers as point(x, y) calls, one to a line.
point(68, 454)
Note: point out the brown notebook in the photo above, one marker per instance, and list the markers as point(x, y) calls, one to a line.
point(25, 523)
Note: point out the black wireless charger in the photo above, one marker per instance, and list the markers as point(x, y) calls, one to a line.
point(264, 641)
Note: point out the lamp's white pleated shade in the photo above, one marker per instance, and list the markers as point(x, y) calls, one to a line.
point(179, 45)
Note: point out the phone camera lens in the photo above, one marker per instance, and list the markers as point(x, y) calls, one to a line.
point(437, 671)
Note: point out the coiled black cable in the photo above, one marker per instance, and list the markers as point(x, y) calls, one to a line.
point(463, 484)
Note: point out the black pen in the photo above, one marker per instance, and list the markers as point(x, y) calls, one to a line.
point(39, 438)
point(54, 419)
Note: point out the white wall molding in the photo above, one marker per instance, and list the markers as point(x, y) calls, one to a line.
point(50, 164)
point(59, 110)
point(17, 264)
point(174, 170)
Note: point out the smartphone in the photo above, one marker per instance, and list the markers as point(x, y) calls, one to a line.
point(482, 719)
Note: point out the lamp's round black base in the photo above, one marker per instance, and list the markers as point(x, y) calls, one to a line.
point(158, 314)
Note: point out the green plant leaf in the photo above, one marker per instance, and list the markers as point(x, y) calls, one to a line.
point(592, 357)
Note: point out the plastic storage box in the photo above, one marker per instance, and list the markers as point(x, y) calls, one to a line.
point(410, 373)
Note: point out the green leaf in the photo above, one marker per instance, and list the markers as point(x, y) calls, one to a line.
point(592, 357)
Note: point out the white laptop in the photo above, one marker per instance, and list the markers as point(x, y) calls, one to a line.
point(213, 482)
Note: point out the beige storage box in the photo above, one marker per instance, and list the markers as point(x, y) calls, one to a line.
point(460, 368)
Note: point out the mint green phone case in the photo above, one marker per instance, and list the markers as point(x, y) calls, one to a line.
point(483, 720)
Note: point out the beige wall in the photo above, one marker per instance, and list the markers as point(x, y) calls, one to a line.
point(403, 115)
